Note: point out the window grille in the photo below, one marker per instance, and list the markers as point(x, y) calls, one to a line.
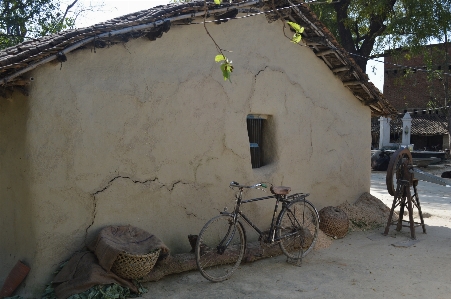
point(255, 132)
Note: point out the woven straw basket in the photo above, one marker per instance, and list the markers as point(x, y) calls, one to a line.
point(333, 222)
point(132, 266)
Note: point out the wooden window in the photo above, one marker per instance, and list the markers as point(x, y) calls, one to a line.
point(256, 129)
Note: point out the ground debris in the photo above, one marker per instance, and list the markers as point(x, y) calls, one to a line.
point(367, 213)
point(322, 241)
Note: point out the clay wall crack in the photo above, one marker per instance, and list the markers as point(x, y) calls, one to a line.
point(262, 70)
point(275, 69)
point(93, 218)
point(123, 177)
point(94, 199)
point(189, 213)
point(174, 184)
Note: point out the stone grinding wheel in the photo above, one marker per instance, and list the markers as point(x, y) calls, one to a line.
point(333, 222)
point(399, 163)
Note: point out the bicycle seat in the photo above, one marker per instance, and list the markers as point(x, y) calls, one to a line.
point(281, 190)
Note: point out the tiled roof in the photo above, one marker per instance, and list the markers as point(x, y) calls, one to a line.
point(422, 124)
point(151, 23)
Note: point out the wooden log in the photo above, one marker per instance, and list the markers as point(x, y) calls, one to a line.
point(183, 262)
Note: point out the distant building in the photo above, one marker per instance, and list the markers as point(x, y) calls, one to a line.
point(428, 132)
point(407, 88)
point(413, 91)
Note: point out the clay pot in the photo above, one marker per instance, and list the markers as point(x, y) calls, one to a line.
point(14, 279)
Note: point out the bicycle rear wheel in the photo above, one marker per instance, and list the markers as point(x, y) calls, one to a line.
point(220, 247)
point(297, 228)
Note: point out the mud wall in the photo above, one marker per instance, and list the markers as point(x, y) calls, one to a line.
point(149, 134)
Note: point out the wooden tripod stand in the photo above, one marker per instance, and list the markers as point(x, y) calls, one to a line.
point(400, 168)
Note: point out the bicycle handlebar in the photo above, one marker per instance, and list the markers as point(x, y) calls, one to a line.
point(255, 186)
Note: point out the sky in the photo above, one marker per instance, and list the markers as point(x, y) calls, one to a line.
point(115, 8)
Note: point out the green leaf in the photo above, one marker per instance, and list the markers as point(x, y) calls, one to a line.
point(296, 38)
point(225, 73)
point(329, 1)
point(217, 2)
point(295, 26)
point(226, 69)
point(219, 58)
point(297, 35)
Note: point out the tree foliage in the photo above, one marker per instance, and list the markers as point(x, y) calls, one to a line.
point(368, 27)
point(24, 19)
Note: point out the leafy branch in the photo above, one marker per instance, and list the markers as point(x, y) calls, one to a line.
point(297, 37)
point(297, 32)
point(226, 65)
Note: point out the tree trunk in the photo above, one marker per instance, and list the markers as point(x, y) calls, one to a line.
point(361, 46)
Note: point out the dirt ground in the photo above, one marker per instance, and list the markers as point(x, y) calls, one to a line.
point(438, 169)
point(364, 264)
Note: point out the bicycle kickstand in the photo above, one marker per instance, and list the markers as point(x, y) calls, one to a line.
point(297, 261)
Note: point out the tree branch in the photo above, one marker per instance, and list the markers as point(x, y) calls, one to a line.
point(376, 28)
point(68, 8)
point(341, 8)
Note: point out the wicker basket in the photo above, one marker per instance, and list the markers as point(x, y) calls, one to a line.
point(131, 266)
point(333, 222)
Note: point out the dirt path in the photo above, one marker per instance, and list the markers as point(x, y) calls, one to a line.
point(362, 265)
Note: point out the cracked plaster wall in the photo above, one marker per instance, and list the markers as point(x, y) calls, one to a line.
point(17, 235)
point(149, 134)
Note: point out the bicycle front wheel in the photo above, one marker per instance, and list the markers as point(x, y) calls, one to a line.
point(220, 247)
point(297, 228)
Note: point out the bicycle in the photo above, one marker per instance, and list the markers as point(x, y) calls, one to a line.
point(221, 244)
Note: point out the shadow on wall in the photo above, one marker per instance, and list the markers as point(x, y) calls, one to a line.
point(17, 238)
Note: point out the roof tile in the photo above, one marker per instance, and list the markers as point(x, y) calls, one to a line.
point(15, 60)
point(422, 124)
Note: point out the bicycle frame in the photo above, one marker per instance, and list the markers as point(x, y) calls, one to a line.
point(221, 248)
point(221, 244)
point(236, 214)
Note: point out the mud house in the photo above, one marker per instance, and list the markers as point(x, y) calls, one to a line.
point(131, 122)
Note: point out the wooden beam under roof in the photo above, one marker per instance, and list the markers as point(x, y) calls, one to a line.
point(341, 69)
point(325, 52)
point(352, 83)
